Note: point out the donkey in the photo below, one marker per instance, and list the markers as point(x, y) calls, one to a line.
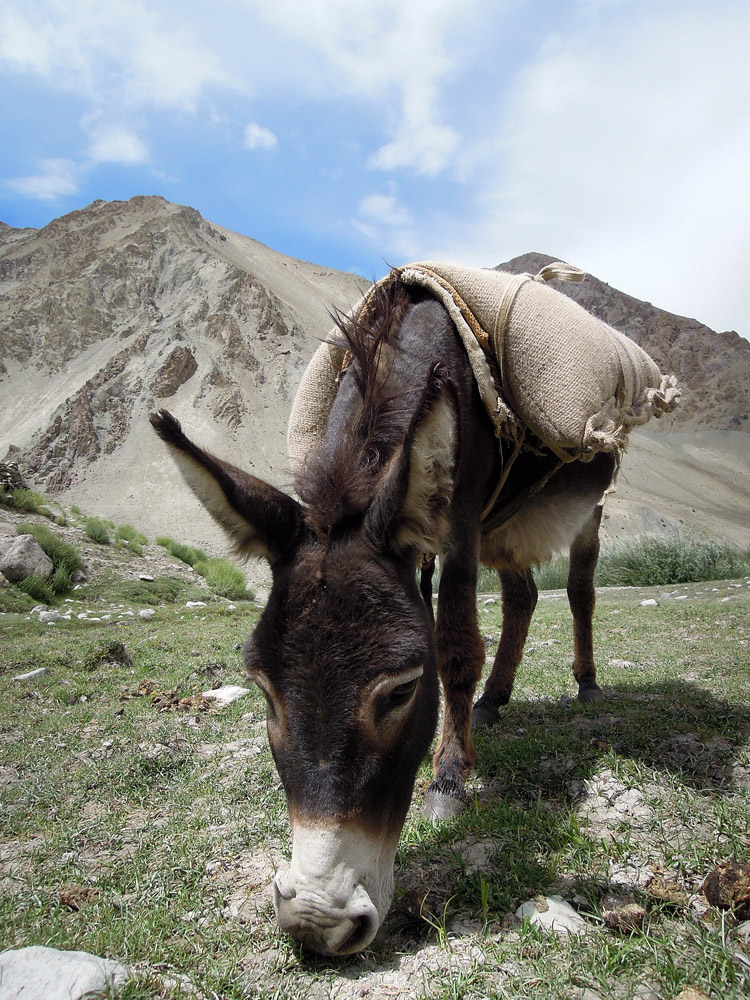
point(347, 651)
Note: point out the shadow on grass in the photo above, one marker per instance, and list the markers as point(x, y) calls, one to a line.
point(530, 768)
point(673, 727)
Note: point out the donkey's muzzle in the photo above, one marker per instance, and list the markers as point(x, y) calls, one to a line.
point(321, 924)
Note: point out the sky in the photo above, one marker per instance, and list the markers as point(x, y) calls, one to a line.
point(359, 134)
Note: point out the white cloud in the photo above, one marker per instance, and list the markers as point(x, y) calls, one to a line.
point(396, 55)
point(384, 220)
point(57, 178)
point(117, 144)
point(124, 52)
point(626, 152)
point(259, 137)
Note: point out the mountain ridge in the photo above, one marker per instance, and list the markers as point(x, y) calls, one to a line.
point(122, 307)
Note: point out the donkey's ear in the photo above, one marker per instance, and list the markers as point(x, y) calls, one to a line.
point(410, 506)
point(259, 519)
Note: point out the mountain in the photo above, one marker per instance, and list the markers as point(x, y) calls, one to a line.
point(122, 307)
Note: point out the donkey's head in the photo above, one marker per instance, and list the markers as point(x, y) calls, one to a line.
point(344, 655)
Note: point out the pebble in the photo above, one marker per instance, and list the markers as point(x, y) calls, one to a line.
point(226, 694)
point(196, 604)
point(32, 673)
point(49, 616)
point(558, 916)
point(650, 603)
point(146, 613)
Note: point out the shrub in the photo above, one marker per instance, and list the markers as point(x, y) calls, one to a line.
point(127, 533)
point(225, 579)
point(28, 500)
point(186, 553)
point(656, 561)
point(553, 575)
point(65, 558)
point(97, 530)
point(39, 589)
point(162, 590)
point(75, 509)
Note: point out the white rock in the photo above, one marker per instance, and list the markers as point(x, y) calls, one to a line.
point(49, 616)
point(650, 603)
point(40, 672)
point(146, 577)
point(146, 613)
point(196, 604)
point(559, 916)
point(39, 973)
point(227, 694)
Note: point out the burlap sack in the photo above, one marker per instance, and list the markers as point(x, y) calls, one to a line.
point(542, 363)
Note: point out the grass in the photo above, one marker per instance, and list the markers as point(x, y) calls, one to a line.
point(98, 531)
point(225, 579)
point(222, 576)
point(174, 820)
point(186, 553)
point(644, 562)
point(65, 561)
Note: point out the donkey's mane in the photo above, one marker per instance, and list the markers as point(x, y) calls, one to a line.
point(337, 481)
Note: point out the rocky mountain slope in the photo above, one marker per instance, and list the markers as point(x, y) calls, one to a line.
point(119, 308)
point(111, 311)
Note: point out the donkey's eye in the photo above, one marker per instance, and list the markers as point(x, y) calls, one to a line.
point(397, 698)
point(402, 694)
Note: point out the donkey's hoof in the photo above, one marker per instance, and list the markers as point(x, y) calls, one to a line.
point(484, 715)
point(441, 806)
point(589, 691)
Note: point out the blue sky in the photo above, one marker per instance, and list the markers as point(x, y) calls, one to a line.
point(614, 134)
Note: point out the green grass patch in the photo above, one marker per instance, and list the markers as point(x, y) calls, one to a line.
point(97, 530)
point(162, 590)
point(176, 820)
point(663, 561)
point(643, 562)
point(186, 553)
point(66, 560)
point(225, 579)
point(135, 539)
point(24, 499)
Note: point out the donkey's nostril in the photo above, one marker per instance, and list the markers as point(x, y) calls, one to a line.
point(362, 933)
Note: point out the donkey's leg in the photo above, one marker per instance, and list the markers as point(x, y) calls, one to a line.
point(519, 600)
point(584, 553)
point(460, 656)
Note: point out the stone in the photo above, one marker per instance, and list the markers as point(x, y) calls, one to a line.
point(196, 604)
point(728, 888)
point(24, 557)
point(554, 914)
point(226, 694)
point(49, 616)
point(40, 672)
point(4, 581)
point(40, 973)
point(650, 603)
point(146, 577)
point(146, 613)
